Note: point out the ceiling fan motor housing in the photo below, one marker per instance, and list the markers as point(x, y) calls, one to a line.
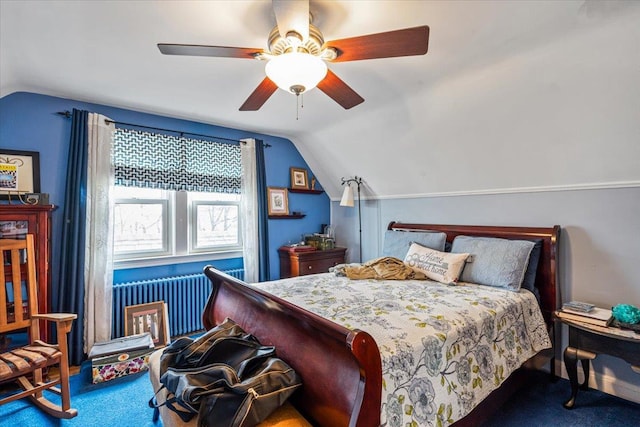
point(293, 42)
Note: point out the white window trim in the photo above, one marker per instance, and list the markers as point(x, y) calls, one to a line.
point(167, 236)
point(175, 259)
point(178, 251)
point(193, 233)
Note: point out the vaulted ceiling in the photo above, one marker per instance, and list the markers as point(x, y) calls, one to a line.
point(504, 84)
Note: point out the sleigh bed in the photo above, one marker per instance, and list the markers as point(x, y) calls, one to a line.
point(342, 368)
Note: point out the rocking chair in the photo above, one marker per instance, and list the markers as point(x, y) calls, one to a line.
point(24, 365)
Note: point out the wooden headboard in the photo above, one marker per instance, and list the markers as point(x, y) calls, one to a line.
point(547, 273)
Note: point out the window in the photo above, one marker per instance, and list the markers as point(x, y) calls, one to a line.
point(141, 222)
point(214, 221)
point(175, 196)
point(150, 223)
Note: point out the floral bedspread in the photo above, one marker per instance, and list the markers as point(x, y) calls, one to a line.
point(443, 348)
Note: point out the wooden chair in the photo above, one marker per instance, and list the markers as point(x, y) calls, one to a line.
point(19, 312)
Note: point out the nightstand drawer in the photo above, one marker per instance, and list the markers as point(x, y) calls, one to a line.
point(313, 262)
point(319, 266)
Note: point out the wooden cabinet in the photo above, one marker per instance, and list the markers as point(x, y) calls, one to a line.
point(293, 264)
point(16, 220)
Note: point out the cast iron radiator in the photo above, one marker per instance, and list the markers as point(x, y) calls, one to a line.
point(185, 297)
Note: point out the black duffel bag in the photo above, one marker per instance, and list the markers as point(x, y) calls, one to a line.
point(226, 378)
point(187, 352)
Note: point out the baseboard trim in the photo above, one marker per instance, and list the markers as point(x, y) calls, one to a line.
point(605, 383)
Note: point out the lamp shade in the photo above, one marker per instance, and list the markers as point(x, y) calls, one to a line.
point(296, 70)
point(347, 197)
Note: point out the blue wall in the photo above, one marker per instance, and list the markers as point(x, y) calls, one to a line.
point(29, 122)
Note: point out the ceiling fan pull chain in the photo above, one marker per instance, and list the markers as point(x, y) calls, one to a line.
point(297, 108)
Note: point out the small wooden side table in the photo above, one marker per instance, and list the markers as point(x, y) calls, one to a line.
point(586, 341)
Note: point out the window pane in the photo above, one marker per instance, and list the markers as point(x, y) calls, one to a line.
point(138, 227)
point(217, 225)
point(120, 192)
point(220, 197)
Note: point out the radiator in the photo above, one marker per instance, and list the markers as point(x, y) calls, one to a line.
point(185, 297)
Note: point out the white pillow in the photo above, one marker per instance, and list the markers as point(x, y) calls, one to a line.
point(444, 267)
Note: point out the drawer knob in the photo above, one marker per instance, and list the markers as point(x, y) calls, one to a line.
point(310, 267)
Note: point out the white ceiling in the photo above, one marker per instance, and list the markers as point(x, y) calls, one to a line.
point(427, 110)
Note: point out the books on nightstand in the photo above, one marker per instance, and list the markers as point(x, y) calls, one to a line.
point(584, 312)
point(583, 307)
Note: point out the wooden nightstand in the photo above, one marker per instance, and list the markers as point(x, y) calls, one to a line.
point(586, 341)
point(293, 264)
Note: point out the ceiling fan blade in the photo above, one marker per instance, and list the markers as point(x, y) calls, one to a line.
point(203, 50)
point(406, 42)
point(259, 96)
point(339, 91)
point(292, 16)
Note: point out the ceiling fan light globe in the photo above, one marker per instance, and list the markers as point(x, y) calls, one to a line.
point(296, 69)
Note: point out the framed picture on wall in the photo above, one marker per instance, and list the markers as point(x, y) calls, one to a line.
point(152, 318)
point(19, 172)
point(277, 201)
point(299, 178)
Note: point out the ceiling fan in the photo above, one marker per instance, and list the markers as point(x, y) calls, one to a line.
point(297, 55)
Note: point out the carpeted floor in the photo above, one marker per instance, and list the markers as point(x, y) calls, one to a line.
point(541, 405)
point(123, 403)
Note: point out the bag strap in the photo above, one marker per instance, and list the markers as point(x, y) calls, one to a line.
point(184, 416)
point(169, 403)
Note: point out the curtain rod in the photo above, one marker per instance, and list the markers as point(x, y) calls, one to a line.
point(67, 114)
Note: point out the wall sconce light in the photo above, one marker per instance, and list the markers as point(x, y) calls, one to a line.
point(347, 200)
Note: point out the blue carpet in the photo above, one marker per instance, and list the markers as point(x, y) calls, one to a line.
point(121, 402)
point(541, 405)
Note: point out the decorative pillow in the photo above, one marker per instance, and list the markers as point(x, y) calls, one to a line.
point(532, 268)
point(396, 243)
point(436, 265)
point(494, 262)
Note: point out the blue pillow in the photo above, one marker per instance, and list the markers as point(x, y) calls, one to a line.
point(396, 242)
point(529, 281)
point(494, 262)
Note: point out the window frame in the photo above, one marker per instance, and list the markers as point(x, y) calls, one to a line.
point(167, 220)
point(193, 231)
point(180, 211)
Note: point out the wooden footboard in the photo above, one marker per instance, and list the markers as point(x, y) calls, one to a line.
point(340, 368)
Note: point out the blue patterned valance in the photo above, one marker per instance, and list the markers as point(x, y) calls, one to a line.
point(169, 162)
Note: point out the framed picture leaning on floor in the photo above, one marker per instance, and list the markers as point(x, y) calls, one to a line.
point(151, 317)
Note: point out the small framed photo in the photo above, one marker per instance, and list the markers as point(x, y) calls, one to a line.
point(19, 172)
point(299, 178)
point(278, 201)
point(152, 318)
